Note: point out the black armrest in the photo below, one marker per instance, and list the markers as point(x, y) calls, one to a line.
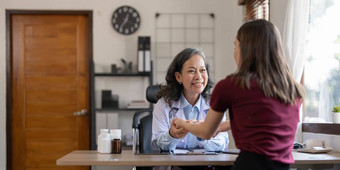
point(137, 115)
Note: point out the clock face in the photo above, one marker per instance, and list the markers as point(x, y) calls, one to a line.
point(125, 20)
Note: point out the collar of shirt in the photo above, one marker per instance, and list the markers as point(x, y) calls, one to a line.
point(186, 106)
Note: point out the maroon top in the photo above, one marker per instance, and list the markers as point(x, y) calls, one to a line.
point(259, 124)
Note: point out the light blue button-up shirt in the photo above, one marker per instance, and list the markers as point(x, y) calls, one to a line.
point(163, 115)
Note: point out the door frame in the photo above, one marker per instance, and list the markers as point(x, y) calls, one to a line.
point(9, 13)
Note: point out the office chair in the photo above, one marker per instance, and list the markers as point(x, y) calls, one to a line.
point(142, 121)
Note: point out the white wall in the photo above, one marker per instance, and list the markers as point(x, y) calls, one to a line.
point(278, 13)
point(109, 46)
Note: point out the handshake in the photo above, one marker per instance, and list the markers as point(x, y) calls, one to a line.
point(179, 128)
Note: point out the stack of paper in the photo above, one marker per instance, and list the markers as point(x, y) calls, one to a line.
point(138, 104)
point(192, 152)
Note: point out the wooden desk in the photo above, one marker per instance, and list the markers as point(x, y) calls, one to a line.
point(127, 158)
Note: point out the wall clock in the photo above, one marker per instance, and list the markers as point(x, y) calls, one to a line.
point(126, 20)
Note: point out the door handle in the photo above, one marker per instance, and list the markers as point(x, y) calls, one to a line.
point(83, 112)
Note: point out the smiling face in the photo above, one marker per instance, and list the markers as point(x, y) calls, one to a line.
point(194, 77)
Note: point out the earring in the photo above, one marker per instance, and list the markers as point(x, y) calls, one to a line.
point(179, 83)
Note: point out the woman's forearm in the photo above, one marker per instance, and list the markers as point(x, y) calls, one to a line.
point(205, 129)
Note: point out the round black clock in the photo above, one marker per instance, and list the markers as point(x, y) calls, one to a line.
point(126, 20)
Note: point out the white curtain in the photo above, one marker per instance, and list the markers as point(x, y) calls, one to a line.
point(326, 103)
point(294, 35)
point(294, 41)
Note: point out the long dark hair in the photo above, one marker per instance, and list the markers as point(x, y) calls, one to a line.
point(171, 91)
point(261, 57)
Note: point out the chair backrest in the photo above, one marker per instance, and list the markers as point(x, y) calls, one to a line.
point(151, 96)
point(144, 124)
point(151, 93)
point(145, 133)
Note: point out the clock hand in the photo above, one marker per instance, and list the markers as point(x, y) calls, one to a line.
point(124, 22)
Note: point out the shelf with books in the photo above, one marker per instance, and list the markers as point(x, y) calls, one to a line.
point(139, 74)
point(119, 81)
point(136, 74)
point(112, 115)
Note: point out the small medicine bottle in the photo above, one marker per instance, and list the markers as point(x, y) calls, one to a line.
point(104, 141)
point(116, 143)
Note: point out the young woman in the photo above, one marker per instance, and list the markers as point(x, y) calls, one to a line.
point(263, 101)
point(186, 96)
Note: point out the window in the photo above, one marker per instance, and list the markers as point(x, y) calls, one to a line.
point(322, 66)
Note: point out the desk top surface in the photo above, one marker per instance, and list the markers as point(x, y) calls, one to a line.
point(127, 158)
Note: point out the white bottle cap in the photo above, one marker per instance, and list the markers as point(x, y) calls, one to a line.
point(115, 133)
point(104, 130)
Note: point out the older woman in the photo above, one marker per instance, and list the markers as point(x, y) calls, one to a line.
point(186, 96)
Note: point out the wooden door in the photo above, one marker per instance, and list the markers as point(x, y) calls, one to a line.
point(50, 81)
